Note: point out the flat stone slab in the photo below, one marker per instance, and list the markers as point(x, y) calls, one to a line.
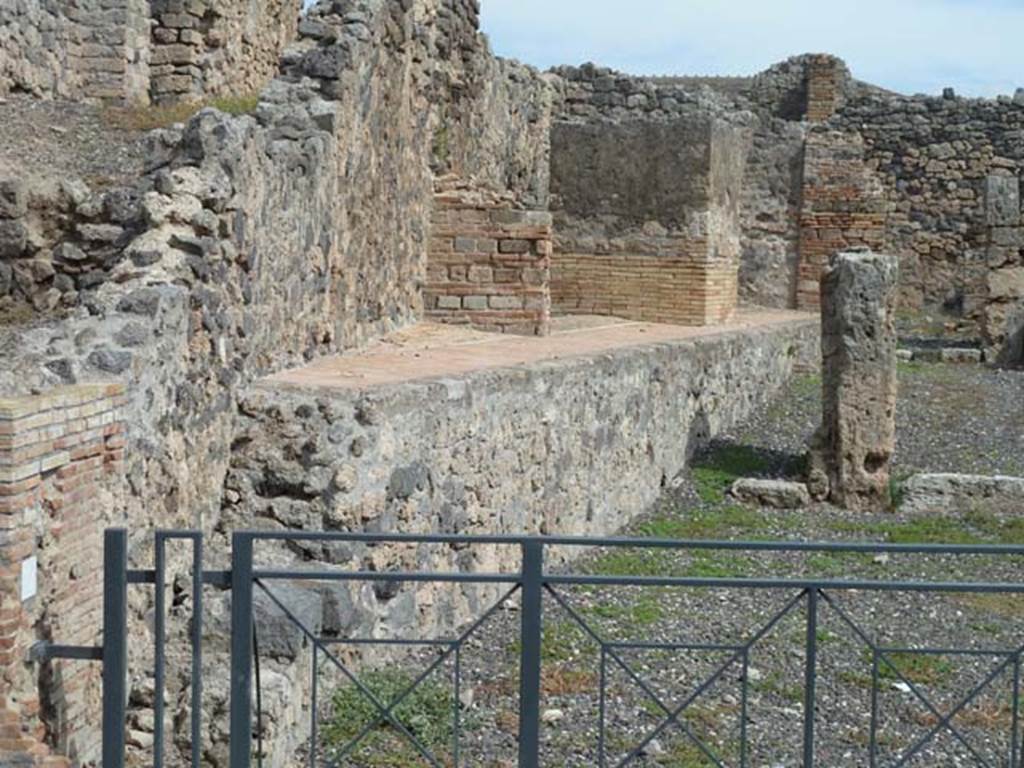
point(962, 493)
point(432, 351)
point(780, 494)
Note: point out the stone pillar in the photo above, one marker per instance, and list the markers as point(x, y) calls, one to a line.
point(1003, 325)
point(858, 338)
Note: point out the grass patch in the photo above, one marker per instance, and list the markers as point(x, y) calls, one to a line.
point(807, 385)
point(561, 641)
point(151, 117)
point(714, 474)
point(918, 668)
point(702, 565)
point(426, 712)
point(1005, 605)
point(838, 564)
point(718, 565)
point(641, 612)
point(719, 522)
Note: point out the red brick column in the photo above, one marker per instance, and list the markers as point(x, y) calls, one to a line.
point(826, 76)
point(489, 263)
point(61, 459)
point(844, 208)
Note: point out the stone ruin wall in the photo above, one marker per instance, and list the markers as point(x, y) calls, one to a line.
point(136, 51)
point(261, 241)
point(253, 243)
point(209, 48)
point(936, 158)
point(567, 446)
point(75, 49)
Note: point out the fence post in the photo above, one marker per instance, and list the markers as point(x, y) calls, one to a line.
point(241, 650)
point(810, 676)
point(530, 658)
point(115, 646)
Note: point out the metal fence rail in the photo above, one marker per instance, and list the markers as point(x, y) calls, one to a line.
point(531, 582)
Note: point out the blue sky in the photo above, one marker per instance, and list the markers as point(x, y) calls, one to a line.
point(912, 46)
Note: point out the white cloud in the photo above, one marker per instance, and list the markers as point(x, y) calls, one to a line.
point(905, 45)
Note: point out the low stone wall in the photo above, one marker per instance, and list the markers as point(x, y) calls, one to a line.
point(570, 446)
point(61, 461)
point(488, 263)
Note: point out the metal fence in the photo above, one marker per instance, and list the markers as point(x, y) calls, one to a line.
point(802, 596)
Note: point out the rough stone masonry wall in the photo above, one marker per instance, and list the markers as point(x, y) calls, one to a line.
point(571, 446)
point(933, 157)
point(75, 49)
point(60, 466)
point(132, 50)
point(206, 48)
point(254, 242)
point(489, 264)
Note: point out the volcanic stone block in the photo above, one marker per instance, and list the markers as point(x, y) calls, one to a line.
point(855, 444)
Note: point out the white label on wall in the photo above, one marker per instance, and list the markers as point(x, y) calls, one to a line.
point(29, 577)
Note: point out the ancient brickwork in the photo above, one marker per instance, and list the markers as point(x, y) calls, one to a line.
point(854, 448)
point(214, 48)
point(110, 48)
point(254, 243)
point(843, 208)
point(35, 37)
point(826, 78)
point(666, 289)
point(61, 458)
point(489, 263)
point(76, 49)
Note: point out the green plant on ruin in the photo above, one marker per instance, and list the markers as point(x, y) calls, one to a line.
point(918, 668)
point(427, 713)
point(713, 475)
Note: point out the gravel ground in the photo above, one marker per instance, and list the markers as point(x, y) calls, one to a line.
point(951, 419)
point(59, 139)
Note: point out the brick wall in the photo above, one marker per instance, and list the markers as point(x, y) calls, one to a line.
point(60, 457)
point(825, 82)
point(685, 289)
point(489, 263)
point(843, 208)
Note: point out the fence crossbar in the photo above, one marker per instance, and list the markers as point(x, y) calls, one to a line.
point(370, 696)
point(610, 650)
point(944, 721)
